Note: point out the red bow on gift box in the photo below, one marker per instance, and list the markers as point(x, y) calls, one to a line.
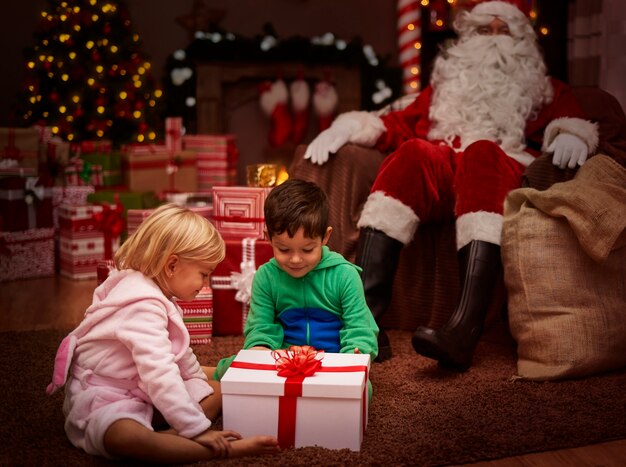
point(298, 360)
point(111, 222)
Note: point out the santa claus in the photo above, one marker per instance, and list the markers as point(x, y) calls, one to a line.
point(456, 152)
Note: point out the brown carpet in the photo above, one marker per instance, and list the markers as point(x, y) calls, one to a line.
point(420, 415)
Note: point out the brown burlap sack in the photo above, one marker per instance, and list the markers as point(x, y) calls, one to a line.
point(565, 271)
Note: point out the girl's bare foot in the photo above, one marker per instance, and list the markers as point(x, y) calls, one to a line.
point(255, 445)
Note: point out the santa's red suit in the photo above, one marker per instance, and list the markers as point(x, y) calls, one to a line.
point(437, 181)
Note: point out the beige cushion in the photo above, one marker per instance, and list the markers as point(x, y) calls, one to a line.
point(567, 292)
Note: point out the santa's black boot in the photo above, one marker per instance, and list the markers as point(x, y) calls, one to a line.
point(378, 255)
point(453, 345)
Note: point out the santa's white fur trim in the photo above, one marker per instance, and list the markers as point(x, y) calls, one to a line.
point(522, 157)
point(387, 214)
point(503, 10)
point(584, 129)
point(364, 127)
point(481, 225)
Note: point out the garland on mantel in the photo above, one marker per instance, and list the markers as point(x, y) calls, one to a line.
point(380, 84)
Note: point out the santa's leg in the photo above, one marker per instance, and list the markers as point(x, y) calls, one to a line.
point(484, 177)
point(413, 183)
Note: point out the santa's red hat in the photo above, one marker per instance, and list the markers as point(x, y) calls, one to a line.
point(515, 13)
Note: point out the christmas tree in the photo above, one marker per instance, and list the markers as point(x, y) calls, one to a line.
point(87, 78)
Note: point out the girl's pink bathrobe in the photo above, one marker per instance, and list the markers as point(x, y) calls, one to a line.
point(129, 354)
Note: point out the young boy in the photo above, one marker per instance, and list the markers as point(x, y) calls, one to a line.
point(306, 294)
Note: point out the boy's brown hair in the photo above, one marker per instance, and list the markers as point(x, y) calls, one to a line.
point(294, 204)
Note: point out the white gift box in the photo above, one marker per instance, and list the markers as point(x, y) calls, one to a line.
point(331, 411)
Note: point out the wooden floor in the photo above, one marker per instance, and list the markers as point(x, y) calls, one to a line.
point(59, 303)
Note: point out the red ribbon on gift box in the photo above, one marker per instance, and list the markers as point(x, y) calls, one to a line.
point(11, 151)
point(296, 364)
point(111, 222)
point(238, 219)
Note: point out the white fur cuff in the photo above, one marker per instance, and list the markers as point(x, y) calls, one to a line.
point(387, 214)
point(584, 129)
point(481, 225)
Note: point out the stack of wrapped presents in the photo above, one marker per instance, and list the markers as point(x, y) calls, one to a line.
point(66, 207)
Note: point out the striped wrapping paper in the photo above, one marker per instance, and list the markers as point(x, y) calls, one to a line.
point(81, 244)
point(198, 316)
point(238, 211)
point(217, 157)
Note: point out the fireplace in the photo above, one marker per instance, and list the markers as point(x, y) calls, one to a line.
point(227, 101)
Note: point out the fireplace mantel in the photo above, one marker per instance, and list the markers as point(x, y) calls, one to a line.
point(222, 87)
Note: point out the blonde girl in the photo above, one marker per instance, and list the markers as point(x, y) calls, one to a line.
point(128, 369)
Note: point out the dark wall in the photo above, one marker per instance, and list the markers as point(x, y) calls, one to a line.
point(155, 22)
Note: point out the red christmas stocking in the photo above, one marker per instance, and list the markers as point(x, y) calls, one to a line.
point(273, 99)
point(300, 97)
point(325, 101)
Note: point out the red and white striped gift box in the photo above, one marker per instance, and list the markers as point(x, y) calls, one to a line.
point(217, 157)
point(81, 243)
point(78, 219)
point(27, 253)
point(238, 211)
point(174, 133)
point(80, 253)
point(198, 316)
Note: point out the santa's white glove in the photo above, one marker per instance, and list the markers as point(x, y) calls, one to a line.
point(329, 140)
point(569, 150)
point(351, 127)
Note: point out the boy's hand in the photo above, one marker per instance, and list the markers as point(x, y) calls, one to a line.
point(356, 350)
point(218, 441)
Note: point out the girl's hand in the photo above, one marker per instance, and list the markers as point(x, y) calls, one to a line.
point(218, 441)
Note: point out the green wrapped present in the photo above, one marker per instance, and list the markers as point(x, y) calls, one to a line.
point(129, 199)
point(111, 163)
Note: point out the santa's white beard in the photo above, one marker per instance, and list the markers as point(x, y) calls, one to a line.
point(487, 87)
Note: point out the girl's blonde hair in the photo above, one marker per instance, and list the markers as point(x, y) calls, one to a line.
point(170, 230)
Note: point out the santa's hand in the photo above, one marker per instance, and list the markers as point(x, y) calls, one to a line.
point(569, 151)
point(359, 127)
point(328, 141)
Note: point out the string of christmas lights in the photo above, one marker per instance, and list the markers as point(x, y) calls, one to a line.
point(86, 77)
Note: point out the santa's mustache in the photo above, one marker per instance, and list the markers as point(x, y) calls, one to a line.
point(498, 52)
